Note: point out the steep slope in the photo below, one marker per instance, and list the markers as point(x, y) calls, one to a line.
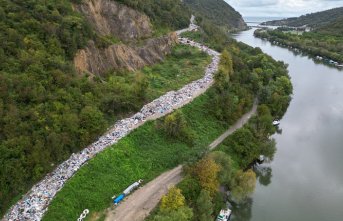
point(314, 20)
point(98, 61)
point(136, 46)
point(218, 12)
point(47, 111)
point(108, 17)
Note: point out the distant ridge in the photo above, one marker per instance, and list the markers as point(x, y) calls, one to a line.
point(317, 20)
point(218, 12)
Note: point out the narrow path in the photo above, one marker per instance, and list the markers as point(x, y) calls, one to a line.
point(139, 204)
point(239, 124)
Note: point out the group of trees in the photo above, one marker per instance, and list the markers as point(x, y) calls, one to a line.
point(164, 13)
point(321, 42)
point(197, 197)
point(320, 21)
point(48, 111)
point(218, 13)
point(176, 126)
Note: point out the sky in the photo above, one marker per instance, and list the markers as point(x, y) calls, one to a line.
point(282, 8)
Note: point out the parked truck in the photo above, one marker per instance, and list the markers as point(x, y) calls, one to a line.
point(126, 192)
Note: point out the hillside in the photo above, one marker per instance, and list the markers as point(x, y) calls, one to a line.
point(67, 73)
point(318, 20)
point(218, 12)
point(47, 109)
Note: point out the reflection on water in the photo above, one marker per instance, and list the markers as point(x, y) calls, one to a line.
point(242, 212)
point(304, 182)
point(263, 174)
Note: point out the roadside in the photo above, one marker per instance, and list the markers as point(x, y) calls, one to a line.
point(139, 204)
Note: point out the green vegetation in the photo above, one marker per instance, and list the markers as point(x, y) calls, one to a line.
point(173, 200)
point(217, 12)
point(165, 14)
point(318, 20)
point(148, 151)
point(143, 154)
point(314, 43)
point(184, 65)
point(204, 206)
point(48, 112)
point(227, 167)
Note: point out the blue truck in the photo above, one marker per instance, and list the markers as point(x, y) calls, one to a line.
point(126, 192)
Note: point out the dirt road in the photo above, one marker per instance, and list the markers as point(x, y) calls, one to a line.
point(243, 120)
point(139, 204)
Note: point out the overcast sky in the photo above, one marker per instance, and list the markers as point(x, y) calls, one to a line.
point(282, 8)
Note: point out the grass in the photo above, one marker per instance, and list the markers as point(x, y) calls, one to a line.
point(144, 154)
point(184, 65)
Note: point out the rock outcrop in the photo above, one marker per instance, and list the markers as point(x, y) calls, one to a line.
point(108, 17)
point(98, 61)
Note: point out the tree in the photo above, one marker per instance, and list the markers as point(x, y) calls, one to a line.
point(206, 171)
point(176, 126)
point(224, 161)
point(140, 86)
point(243, 185)
point(226, 63)
point(173, 200)
point(190, 188)
point(204, 206)
point(181, 214)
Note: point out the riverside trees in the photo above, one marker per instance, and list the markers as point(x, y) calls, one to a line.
point(324, 43)
point(244, 73)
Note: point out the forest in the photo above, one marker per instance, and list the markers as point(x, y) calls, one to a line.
point(329, 21)
point(48, 111)
point(218, 12)
point(314, 43)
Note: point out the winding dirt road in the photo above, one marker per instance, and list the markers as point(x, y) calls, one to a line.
point(139, 204)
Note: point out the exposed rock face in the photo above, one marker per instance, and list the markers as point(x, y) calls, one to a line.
point(108, 17)
point(98, 61)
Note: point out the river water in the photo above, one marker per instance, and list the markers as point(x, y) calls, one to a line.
point(305, 180)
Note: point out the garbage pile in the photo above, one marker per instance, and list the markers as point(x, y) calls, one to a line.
point(35, 203)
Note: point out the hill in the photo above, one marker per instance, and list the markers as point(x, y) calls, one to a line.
point(47, 109)
point(318, 20)
point(218, 12)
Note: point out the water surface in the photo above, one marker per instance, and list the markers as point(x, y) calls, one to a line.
point(305, 180)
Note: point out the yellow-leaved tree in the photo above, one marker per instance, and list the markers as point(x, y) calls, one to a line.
point(173, 200)
point(206, 170)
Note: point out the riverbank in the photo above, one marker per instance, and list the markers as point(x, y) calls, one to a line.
point(322, 48)
point(306, 172)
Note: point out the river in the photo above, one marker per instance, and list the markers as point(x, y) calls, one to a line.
point(304, 182)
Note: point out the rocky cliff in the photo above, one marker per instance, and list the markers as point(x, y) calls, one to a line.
point(107, 17)
point(98, 61)
point(110, 18)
